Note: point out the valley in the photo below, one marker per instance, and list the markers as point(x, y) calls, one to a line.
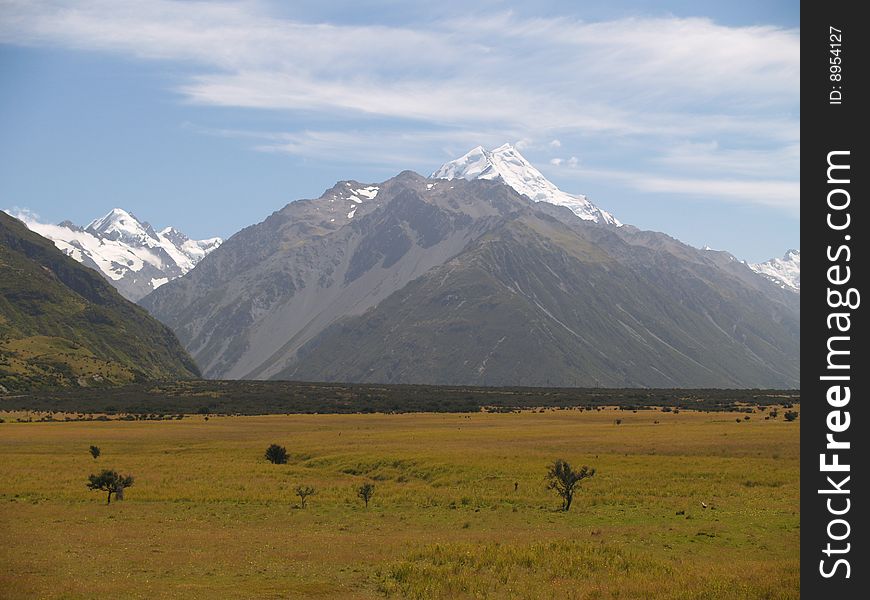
point(685, 505)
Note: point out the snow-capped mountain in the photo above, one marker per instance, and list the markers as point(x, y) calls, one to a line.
point(785, 271)
point(128, 252)
point(506, 164)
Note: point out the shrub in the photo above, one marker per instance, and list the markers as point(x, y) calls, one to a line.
point(95, 451)
point(110, 482)
point(303, 492)
point(365, 492)
point(276, 454)
point(563, 479)
point(791, 415)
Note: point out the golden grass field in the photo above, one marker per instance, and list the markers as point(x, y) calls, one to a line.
point(209, 517)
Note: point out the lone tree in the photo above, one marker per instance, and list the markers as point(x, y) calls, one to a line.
point(276, 454)
point(95, 451)
point(366, 491)
point(110, 482)
point(303, 491)
point(791, 415)
point(562, 478)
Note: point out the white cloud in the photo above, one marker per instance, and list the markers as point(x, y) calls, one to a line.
point(776, 194)
point(253, 59)
point(707, 157)
point(556, 161)
point(780, 194)
point(668, 84)
point(25, 215)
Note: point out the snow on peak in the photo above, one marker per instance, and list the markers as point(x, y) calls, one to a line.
point(507, 165)
point(785, 271)
point(126, 251)
point(120, 224)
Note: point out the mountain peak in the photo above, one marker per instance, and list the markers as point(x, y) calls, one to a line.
point(508, 165)
point(785, 271)
point(120, 224)
point(128, 252)
point(116, 215)
point(173, 235)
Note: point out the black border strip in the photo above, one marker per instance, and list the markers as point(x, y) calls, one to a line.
point(832, 120)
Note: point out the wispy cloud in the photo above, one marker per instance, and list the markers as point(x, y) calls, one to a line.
point(781, 194)
point(706, 96)
point(776, 194)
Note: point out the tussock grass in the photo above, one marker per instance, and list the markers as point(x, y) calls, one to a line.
point(209, 517)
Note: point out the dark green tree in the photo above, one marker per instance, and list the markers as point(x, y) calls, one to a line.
point(791, 415)
point(303, 491)
point(365, 492)
point(95, 451)
point(110, 482)
point(276, 454)
point(562, 478)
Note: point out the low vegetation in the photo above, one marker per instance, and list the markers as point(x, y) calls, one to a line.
point(277, 455)
point(110, 482)
point(304, 491)
point(563, 479)
point(691, 507)
point(277, 397)
point(365, 492)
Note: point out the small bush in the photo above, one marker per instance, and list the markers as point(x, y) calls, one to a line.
point(563, 479)
point(95, 452)
point(110, 482)
point(276, 454)
point(303, 491)
point(791, 415)
point(365, 492)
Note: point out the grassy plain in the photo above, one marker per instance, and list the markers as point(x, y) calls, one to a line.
point(208, 517)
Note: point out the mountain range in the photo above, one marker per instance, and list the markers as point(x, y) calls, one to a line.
point(484, 273)
point(128, 252)
point(62, 324)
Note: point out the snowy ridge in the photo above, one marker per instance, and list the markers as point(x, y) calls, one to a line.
point(785, 271)
point(506, 164)
point(127, 252)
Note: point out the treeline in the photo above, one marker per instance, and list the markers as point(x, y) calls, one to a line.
point(273, 397)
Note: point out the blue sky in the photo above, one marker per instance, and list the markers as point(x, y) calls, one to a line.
point(681, 117)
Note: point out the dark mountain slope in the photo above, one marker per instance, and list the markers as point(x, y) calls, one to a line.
point(536, 304)
point(63, 324)
point(247, 307)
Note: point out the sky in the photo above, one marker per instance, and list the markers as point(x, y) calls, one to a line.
point(676, 116)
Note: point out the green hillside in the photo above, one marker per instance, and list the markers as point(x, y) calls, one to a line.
point(62, 324)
